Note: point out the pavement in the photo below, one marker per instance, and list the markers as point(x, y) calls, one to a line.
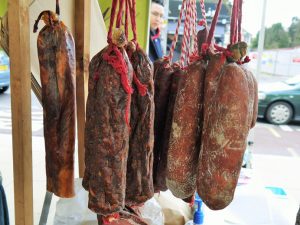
point(39, 176)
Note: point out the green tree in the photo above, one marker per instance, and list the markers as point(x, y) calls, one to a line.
point(254, 41)
point(275, 37)
point(294, 32)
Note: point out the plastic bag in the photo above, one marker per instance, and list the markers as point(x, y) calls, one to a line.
point(152, 213)
point(74, 211)
point(175, 210)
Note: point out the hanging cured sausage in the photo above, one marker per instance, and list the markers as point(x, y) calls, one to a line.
point(230, 110)
point(139, 178)
point(107, 129)
point(183, 151)
point(226, 127)
point(185, 133)
point(162, 83)
point(56, 52)
point(107, 123)
point(166, 77)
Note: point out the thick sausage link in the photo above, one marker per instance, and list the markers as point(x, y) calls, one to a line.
point(224, 137)
point(184, 144)
point(106, 133)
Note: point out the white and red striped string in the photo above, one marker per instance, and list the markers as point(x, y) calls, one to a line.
point(183, 6)
point(185, 48)
point(189, 42)
point(202, 6)
point(195, 27)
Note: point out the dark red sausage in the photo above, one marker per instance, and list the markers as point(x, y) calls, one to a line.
point(106, 133)
point(162, 85)
point(139, 183)
point(226, 127)
point(254, 95)
point(201, 38)
point(56, 52)
point(184, 144)
point(166, 86)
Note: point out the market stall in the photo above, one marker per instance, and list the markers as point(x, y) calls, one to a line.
point(121, 135)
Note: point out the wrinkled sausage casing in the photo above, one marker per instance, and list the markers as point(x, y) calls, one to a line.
point(56, 51)
point(227, 120)
point(106, 136)
point(185, 135)
point(166, 85)
point(253, 91)
point(162, 84)
point(139, 184)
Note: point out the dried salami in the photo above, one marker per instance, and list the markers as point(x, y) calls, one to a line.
point(227, 121)
point(162, 84)
point(254, 94)
point(107, 128)
point(166, 86)
point(139, 187)
point(185, 135)
point(56, 52)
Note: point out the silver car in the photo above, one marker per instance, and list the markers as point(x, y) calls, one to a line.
point(4, 72)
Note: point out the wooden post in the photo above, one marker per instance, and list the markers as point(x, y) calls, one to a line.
point(18, 22)
point(82, 41)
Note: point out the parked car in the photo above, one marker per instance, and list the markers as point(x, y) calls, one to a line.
point(279, 102)
point(4, 72)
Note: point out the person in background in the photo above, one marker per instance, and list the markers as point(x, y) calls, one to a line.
point(156, 19)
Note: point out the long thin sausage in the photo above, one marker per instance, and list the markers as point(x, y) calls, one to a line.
point(162, 85)
point(56, 51)
point(139, 181)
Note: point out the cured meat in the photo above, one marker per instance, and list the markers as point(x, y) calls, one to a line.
point(125, 217)
point(201, 39)
point(56, 51)
point(254, 94)
point(185, 135)
point(139, 187)
point(255, 104)
point(239, 51)
point(162, 83)
point(227, 120)
point(166, 86)
point(107, 128)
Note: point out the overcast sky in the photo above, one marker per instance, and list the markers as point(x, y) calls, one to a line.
point(277, 11)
